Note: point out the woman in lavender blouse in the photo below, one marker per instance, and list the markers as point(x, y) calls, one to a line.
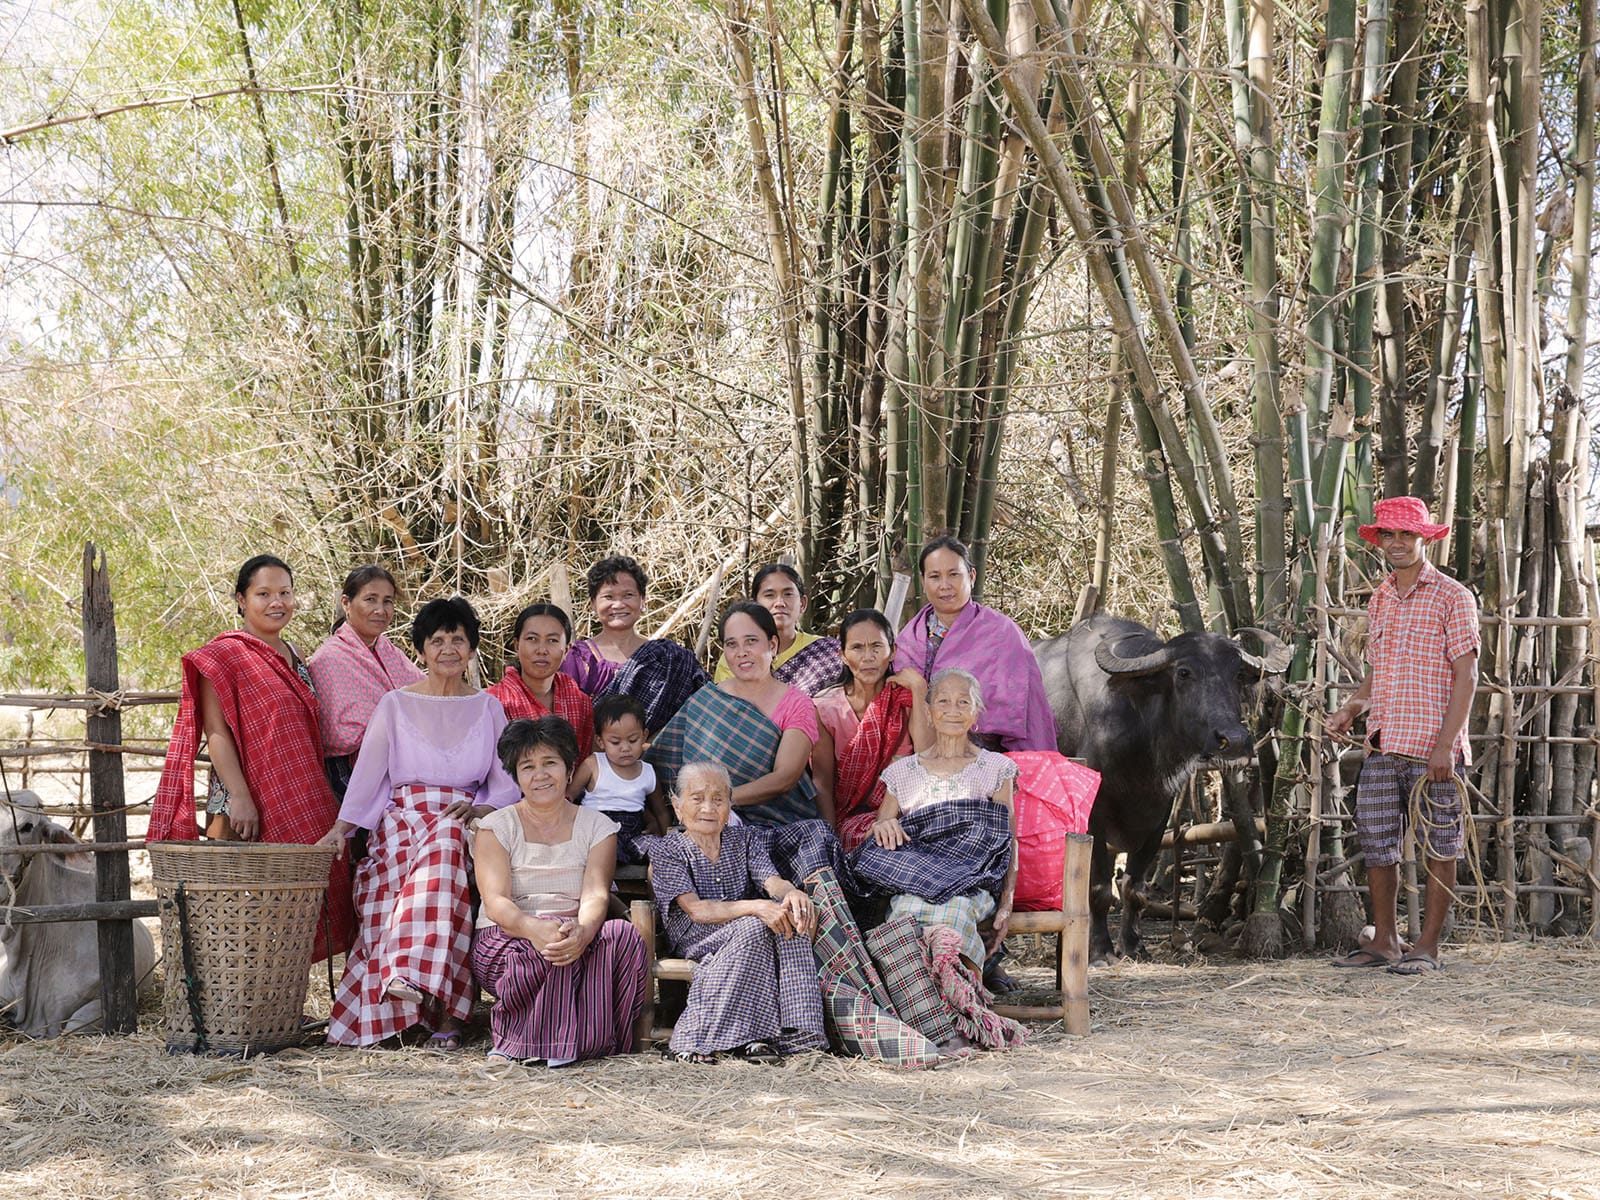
point(427, 765)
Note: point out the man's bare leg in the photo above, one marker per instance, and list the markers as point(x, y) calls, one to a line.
point(1440, 897)
point(1384, 885)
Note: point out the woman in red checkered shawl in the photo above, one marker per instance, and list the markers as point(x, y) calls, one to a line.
point(249, 694)
point(534, 685)
point(867, 722)
point(427, 765)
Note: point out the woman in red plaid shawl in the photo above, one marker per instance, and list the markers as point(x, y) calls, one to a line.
point(536, 686)
point(865, 724)
point(250, 695)
point(427, 765)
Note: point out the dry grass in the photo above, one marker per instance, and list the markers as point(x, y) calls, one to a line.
point(1236, 1080)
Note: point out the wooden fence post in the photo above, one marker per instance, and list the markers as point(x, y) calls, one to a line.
point(119, 999)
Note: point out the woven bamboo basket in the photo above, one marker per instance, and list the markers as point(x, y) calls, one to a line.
point(238, 922)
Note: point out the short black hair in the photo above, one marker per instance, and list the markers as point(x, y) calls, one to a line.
point(752, 610)
point(259, 563)
point(444, 616)
point(760, 577)
point(524, 735)
point(607, 569)
point(862, 616)
point(608, 710)
point(944, 542)
point(539, 610)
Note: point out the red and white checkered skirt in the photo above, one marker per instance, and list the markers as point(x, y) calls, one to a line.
point(415, 909)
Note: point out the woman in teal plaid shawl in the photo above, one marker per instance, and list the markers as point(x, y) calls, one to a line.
point(760, 729)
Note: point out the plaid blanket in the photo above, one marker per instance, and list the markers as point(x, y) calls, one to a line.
point(955, 847)
point(273, 716)
point(858, 789)
point(861, 1017)
point(714, 725)
point(572, 705)
point(661, 675)
point(816, 665)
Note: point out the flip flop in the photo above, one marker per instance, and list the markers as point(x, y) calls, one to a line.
point(689, 1056)
point(1416, 963)
point(448, 1041)
point(759, 1052)
point(1364, 957)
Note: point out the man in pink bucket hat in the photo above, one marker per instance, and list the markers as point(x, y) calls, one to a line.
point(1422, 667)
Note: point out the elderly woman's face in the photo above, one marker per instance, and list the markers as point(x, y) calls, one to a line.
point(946, 582)
point(750, 651)
point(446, 653)
point(541, 647)
point(951, 706)
point(703, 803)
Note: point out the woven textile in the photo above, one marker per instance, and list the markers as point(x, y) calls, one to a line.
point(350, 679)
point(955, 847)
point(860, 1013)
point(751, 984)
point(802, 848)
point(961, 913)
point(572, 705)
point(588, 667)
point(1411, 642)
point(965, 995)
point(661, 675)
point(273, 717)
point(992, 648)
point(714, 725)
point(902, 961)
point(816, 665)
point(858, 787)
point(416, 921)
point(584, 1009)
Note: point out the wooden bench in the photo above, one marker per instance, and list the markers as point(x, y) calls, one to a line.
point(1069, 923)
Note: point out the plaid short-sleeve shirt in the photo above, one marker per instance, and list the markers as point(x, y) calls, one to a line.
point(1412, 640)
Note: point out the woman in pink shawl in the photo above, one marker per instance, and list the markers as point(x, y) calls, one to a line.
point(355, 667)
point(954, 630)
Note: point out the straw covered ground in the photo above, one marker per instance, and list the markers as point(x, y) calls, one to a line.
point(1227, 1079)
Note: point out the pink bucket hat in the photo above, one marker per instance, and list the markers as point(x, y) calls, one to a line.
point(1406, 514)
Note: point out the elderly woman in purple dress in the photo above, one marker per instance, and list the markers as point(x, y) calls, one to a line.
point(755, 992)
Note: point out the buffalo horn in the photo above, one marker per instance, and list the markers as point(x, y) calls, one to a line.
point(1113, 663)
point(1276, 653)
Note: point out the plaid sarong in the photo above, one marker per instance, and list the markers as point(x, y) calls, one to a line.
point(858, 785)
point(955, 847)
point(961, 913)
point(902, 961)
point(714, 725)
point(661, 675)
point(815, 666)
point(860, 1014)
point(416, 921)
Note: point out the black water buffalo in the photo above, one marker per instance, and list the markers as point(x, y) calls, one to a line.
point(1145, 713)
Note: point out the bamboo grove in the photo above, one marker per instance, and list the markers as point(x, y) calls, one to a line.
point(1146, 301)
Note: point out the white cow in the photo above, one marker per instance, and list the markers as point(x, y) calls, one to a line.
point(50, 974)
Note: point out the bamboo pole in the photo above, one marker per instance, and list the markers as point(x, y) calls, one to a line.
point(1507, 777)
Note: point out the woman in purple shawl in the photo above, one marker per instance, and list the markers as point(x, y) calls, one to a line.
point(954, 630)
point(658, 673)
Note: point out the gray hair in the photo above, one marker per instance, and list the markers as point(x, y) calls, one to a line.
point(974, 688)
point(702, 766)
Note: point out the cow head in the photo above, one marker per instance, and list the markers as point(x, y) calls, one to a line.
point(1203, 679)
point(22, 823)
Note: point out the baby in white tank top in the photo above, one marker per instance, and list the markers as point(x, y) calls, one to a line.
point(615, 779)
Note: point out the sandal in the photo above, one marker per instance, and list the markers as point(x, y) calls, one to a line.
point(689, 1056)
point(759, 1052)
point(447, 1040)
point(399, 989)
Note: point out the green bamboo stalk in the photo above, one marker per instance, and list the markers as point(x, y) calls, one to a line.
point(1446, 345)
point(1466, 447)
point(1330, 215)
point(1363, 304)
point(1254, 53)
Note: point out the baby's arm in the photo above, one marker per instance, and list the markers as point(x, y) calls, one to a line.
point(582, 779)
